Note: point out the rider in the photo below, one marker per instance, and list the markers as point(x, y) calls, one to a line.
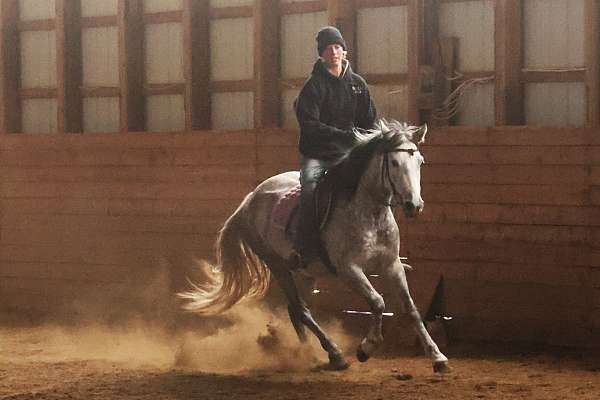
point(332, 102)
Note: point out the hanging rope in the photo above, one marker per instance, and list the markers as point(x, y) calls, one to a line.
point(452, 104)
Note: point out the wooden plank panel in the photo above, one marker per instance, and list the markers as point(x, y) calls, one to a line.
point(572, 195)
point(165, 113)
point(94, 8)
point(10, 106)
point(472, 24)
point(164, 53)
point(101, 114)
point(100, 47)
point(298, 45)
point(510, 155)
point(555, 104)
point(38, 59)
point(69, 66)
point(237, 36)
point(504, 252)
point(507, 174)
point(266, 63)
point(226, 190)
point(196, 64)
point(131, 58)
point(223, 103)
point(495, 233)
point(388, 28)
point(142, 166)
point(553, 34)
point(511, 214)
point(509, 105)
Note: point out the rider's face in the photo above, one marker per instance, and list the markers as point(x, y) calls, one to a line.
point(333, 55)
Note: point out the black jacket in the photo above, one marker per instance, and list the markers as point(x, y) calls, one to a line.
point(327, 109)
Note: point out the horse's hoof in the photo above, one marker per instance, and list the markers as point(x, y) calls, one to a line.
point(441, 367)
point(361, 355)
point(338, 363)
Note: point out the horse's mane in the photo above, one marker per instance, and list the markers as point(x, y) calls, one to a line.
point(385, 136)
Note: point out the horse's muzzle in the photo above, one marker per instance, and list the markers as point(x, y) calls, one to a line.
point(411, 209)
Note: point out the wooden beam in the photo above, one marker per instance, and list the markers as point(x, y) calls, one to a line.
point(508, 100)
point(131, 65)
point(69, 77)
point(415, 54)
point(540, 75)
point(231, 12)
point(443, 63)
point(342, 14)
point(38, 93)
point(266, 64)
point(100, 91)
point(196, 64)
point(379, 3)
point(592, 60)
point(163, 17)
point(431, 34)
point(99, 21)
point(304, 7)
point(37, 25)
point(10, 103)
point(155, 89)
point(390, 78)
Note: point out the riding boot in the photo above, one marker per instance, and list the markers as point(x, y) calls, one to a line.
point(307, 236)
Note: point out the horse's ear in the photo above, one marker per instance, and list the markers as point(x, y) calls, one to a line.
point(419, 135)
point(383, 126)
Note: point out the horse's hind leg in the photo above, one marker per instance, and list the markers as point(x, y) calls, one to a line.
point(397, 278)
point(296, 319)
point(300, 315)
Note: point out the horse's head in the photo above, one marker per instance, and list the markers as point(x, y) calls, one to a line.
point(401, 165)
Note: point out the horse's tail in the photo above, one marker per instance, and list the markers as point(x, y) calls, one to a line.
point(239, 274)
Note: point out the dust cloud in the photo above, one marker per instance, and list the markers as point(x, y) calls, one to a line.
point(248, 337)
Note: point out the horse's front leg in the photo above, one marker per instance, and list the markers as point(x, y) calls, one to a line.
point(397, 277)
point(359, 282)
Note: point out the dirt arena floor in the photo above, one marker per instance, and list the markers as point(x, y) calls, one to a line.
point(141, 361)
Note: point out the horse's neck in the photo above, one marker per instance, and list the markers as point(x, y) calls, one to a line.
point(371, 195)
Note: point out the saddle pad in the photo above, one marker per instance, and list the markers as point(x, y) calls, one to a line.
point(282, 211)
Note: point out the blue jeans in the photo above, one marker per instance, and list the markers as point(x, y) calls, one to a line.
point(307, 237)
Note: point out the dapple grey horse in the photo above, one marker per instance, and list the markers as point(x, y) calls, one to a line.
point(360, 238)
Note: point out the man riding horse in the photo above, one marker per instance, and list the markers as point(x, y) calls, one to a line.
point(332, 102)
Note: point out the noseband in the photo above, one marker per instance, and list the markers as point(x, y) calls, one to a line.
point(385, 173)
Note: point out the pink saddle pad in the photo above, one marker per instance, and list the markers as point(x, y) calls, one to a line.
point(282, 212)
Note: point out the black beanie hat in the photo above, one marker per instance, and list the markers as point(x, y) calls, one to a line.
point(329, 35)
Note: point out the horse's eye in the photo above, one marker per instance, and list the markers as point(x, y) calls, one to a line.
point(395, 163)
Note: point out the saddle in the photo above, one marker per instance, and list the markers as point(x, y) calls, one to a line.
point(284, 215)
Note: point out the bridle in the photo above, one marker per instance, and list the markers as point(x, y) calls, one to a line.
point(385, 173)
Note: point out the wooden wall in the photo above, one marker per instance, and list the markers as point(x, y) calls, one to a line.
point(105, 225)
point(512, 223)
point(109, 224)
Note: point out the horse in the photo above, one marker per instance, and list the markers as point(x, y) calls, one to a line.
point(361, 237)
